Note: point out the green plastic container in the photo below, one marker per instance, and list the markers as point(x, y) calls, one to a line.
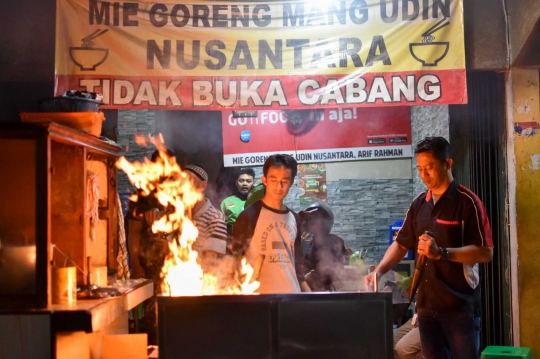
point(494, 352)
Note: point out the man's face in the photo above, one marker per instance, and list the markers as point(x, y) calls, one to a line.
point(197, 182)
point(244, 183)
point(315, 222)
point(278, 180)
point(434, 174)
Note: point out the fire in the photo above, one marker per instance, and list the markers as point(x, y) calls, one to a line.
point(181, 273)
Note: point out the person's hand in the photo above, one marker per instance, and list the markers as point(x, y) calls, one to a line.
point(414, 320)
point(369, 281)
point(428, 247)
point(152, 215)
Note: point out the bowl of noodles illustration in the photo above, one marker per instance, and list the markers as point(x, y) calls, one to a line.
point(88, 58)
point(429, 54)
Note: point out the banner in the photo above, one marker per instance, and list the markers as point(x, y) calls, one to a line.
point(205, 55)
point(318, 136)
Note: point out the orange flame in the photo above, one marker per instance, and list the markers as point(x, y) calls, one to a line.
point(181, 273)
point(141, 140)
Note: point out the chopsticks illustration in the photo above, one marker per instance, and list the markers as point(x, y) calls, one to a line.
point(88, 40)
point(436, 27)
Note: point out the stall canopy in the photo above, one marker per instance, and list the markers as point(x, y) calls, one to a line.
point(204, 55)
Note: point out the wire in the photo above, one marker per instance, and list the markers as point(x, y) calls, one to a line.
point(68, 258)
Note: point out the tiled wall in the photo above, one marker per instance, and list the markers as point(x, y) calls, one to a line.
point(141, 122)
point(427, 121)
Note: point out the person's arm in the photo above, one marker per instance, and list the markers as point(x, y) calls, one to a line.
point(223, 207)
point(394, 254)
point(217, 240)
point(298, 257)
point(243, 230)
point(406, 239)
point(476, 236)
point(468, 254)
point(238, 243)
point(134, 240)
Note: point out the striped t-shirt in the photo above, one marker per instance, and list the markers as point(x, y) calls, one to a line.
point(212, 229)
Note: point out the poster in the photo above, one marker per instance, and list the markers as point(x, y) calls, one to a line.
point(213, 55)
point(312, 183)
point(319, 136)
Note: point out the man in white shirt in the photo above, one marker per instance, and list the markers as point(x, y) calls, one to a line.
point(269, 229)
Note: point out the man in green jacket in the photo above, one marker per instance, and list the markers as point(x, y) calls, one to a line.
point(233, 205)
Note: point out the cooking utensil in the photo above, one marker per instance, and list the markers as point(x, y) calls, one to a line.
point(418, 272)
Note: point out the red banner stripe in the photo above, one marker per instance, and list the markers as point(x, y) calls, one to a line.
point(273, 92)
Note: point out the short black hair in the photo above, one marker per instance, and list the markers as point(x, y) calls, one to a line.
point(438, 146)
point(246, 171)
point(281, 160)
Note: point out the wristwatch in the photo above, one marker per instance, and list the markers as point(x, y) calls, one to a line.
point(444, 254)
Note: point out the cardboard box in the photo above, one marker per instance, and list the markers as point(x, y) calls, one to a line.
point(125, 346)
point(72, 345)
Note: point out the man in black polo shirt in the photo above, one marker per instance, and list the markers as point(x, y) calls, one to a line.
point(448, 225)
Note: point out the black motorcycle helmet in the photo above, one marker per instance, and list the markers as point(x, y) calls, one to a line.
point(318, 211)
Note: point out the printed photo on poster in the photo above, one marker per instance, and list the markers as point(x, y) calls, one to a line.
point(312, 183)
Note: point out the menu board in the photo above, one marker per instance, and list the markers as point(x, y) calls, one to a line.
point(312, 183)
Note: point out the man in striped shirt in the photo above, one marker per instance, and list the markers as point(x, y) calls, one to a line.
point(211, 242)
point(447, 225)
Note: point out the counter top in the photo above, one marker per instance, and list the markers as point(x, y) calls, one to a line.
point(92, 315)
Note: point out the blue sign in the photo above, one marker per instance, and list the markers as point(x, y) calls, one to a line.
point(394, 229)
point(245, 136)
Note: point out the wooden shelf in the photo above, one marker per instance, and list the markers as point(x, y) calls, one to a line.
point(46, 186)
point(46, 202)
point(93, 315)
point(64, 134)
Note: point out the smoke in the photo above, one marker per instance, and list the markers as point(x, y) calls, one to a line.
point(195, 137)
point(324, 256)
point(329, 265)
